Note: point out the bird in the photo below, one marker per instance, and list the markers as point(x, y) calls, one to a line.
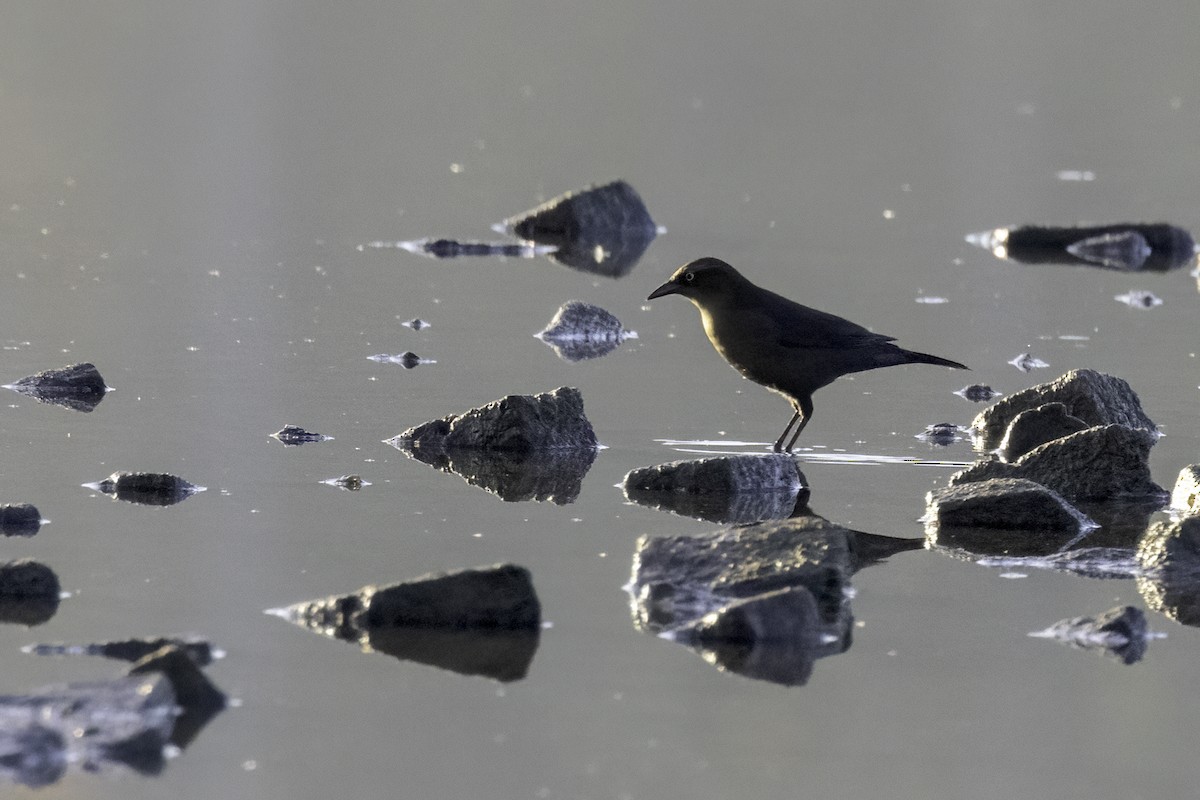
point(789, 348)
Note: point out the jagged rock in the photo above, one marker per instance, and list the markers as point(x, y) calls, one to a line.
point(1107, 462)
point(599, 229)
point(78, 387)
point(679, 579)
point(292, 435)
point(775, 636)
point(1185, 497)
point(29, 592)
point(1120, 632)
point(521, 423)
point(581, 331)
point(19, 519)
point(1169, 555)
point(483, 621)
point(723, 488)
point(146, 488)
point(1037, 426)
point(1003, 504)
point(1091, 396)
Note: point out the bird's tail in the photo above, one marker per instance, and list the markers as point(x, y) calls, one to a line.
point(925, 358)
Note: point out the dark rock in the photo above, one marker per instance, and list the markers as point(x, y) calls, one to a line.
point(1119, 632)
point(199, 650)
point(943, 434)
point(1156, 247)
point(482, 621)
point(722, 489)
point(521, 423)
point(602, 230)
point(29, 592)
point(1106, 462)
point(679, 579)
point(581, 331)
point(1185, 497)
point(146, 488)
point(1091, 396)
point(1169, 555)
point(351, 483)
point(1037, 426)
point(1026, 362)
point(78, 387)
point(977, 393)
point(416, 324)
point(292, 435)
point(198, 700)
point(774, 636)
point(19, 519)
point(552, 475)
point(1003, 504)
point(407, 359)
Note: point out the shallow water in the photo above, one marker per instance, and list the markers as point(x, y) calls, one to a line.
point(185, 188)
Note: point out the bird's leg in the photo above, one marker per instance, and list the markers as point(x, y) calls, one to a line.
point(778, 446)
point(804, 410)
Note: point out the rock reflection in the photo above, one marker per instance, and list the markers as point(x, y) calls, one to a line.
point(1120, 632)
point(581, 331)
point(29, 592)
point(485, 621)
point(1129, 247)
point(78, 387)
point(722, 489)
point(146, 488)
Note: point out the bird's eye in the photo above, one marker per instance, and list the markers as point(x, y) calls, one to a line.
point(689, 276)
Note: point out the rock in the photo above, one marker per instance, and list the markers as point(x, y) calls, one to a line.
point(292, 435)
point(146, 488)
point(1120, 632)
point(582, 331)
point(1127, 246)
point(1106, 462)
point(600, 229)
point(29, 592)
point(554, 475)
point(1091, 396)
point(199, 650)
point(1185, 497)
point(198, 700)
point(78, 387)
point(1037, 426)
point(977, 393)
point(19, 519)
point(1003, 504)
point(775, 636)
point(1169, 555)
point(520, 423)
point(483, 621)
point(722, 489)
point(679, 579)
point(943, 434)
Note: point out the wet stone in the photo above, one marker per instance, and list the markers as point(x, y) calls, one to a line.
point(1139, 299)
point(602, 230)
point(146, 488)
point(292, 435)
point(199, 650)
point(943, 434)
point(78, 387)
point(1119, 632)
point(1128, 247)
point(581, 331)
point(1094, 397)
point(723, 489)
point(19, 519)
point(1106, 462)
point(417, 324)
point(407, 359)
point(1035, 427)
point(1003, 504)
point(1026, 362)
point(197, 698)
point(1169, 555)
point(977, 393)
point(520, 423)
point(1185, 497)
point(29, 592)
point(555, 476)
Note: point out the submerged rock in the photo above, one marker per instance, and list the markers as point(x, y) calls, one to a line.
point(1035, 427)
point(29, 592)
point(602, 229)
point(977, 393)
point(1129, 247)
point(722, 489)
point(544, 475)
point(407, 359)
point(1185, 497)
point(483, 621)
point(146, 488)
point(520, 423)
point(1119, 632)
point(19, 519)
point(78, 387)
point(1027, 362)
point(292, 435)
point(581, 331)
point(943, 434)
point(1091, 396)
point(1003, 504)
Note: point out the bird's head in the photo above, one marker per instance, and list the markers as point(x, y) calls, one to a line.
point(700, 279)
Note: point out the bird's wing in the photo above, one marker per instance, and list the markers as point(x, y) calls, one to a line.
point(818, 328)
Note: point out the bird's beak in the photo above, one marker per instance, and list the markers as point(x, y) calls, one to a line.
point(665, 289)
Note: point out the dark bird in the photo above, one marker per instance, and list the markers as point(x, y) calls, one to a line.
point(789, 348)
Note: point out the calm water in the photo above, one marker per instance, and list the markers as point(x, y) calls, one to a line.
point(183, 189)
